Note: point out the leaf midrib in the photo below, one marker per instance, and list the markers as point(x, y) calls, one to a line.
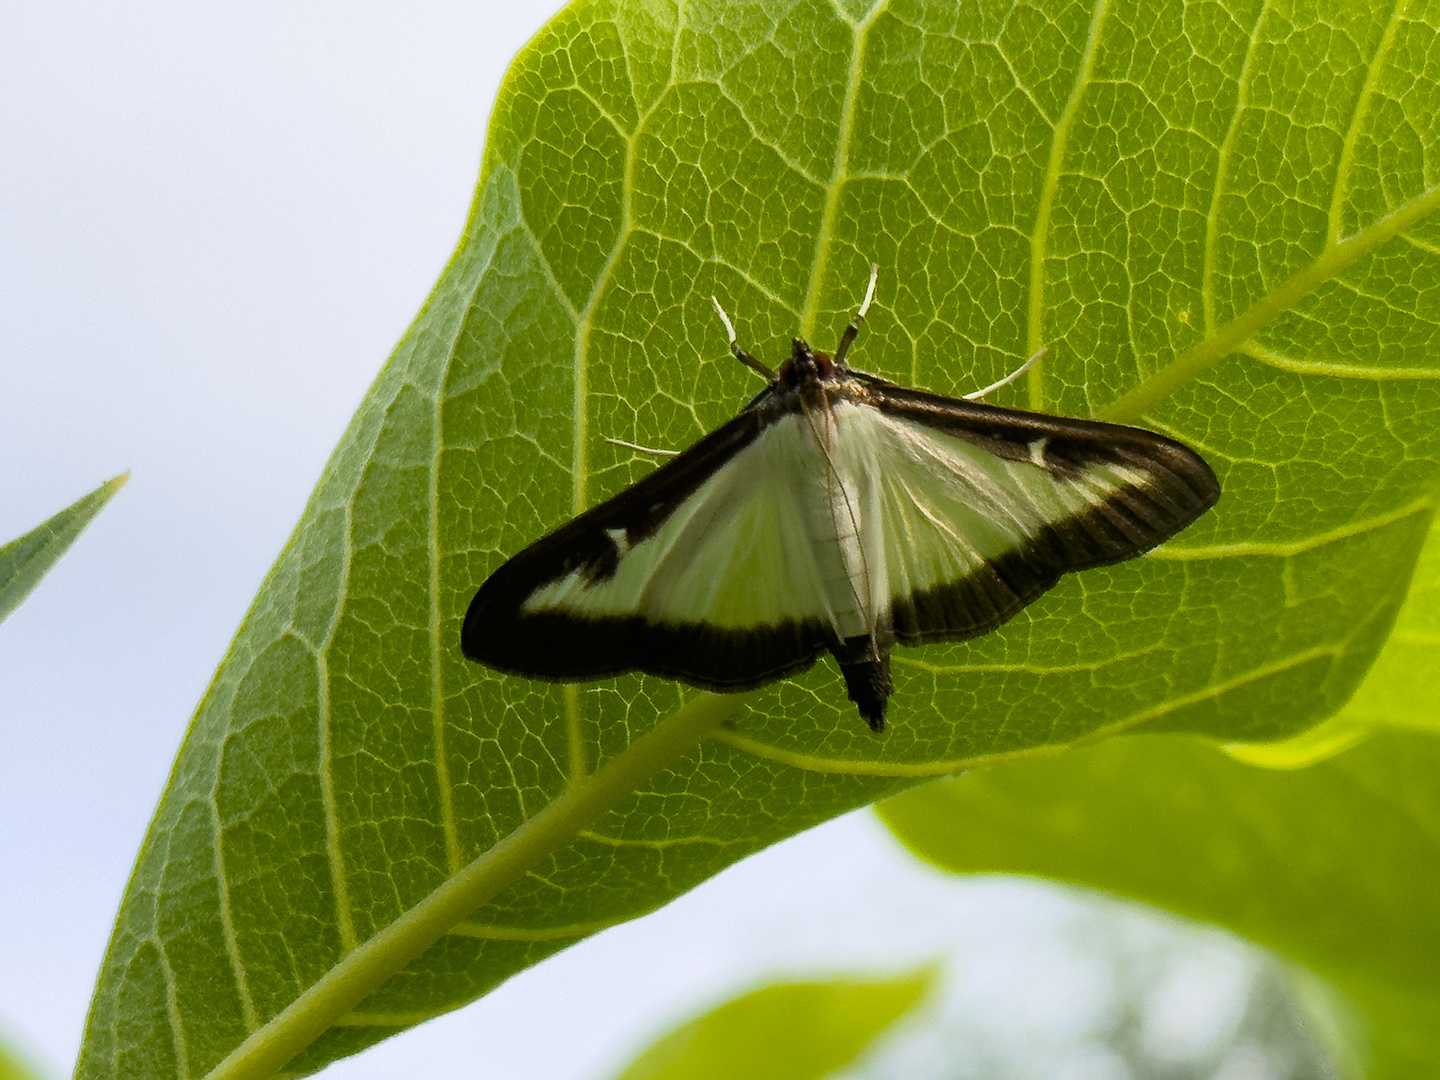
point(389, 950)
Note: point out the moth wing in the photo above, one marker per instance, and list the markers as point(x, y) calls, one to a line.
point(725, 567)
point(703, 571)
point(971, 511)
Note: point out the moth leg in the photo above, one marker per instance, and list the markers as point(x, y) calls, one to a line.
point(735, 349)
point(853, 330)
point(642, 449)
point(1008, 379)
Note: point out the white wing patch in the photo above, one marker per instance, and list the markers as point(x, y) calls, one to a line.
point(738, 553)
point(938, 508)
point(828, 517)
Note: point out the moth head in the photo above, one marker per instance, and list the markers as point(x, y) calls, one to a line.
point(806, 365)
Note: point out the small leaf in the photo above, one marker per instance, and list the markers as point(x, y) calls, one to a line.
point(1337, 866)
point(1227, 221)
point(787, 1031)
point(25, 561)
point(13, 1066)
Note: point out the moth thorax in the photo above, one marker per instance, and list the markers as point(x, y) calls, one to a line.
point(806, 366)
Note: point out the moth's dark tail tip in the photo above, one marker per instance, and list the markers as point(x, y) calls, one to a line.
point(869, 685)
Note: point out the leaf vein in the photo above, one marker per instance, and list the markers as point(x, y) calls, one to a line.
point(1421, 245)
point(1285, 550)
point(490, 932)
point(584, 322)
point(333, 853)
point(1227, 145)
point(446, 792)
point(653, 845)
point(172, 1011)
point(931, 668)
point(548, 271)
point(1040, 235)
point(775, 148)
point(1415, 637)
point(1333, 368)
point(227, 923)
point(1357, 119)
point(838, 171)
point(919, 770)
point(715, 259)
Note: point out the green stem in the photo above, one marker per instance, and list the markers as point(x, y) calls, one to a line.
point(363, 970)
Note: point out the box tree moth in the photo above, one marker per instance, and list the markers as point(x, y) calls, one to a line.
point(837, 512)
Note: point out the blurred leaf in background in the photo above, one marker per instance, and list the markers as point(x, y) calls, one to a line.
point(786, 1031)
point(23, 562)
point(1132, 993)
point(1333, 865)
point(1330, 859)
point(1221, 222)
point(1144, 995)
point(13, 1066)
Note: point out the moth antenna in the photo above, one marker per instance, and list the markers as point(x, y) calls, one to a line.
point(853, 330)
point(1008, 379)
point(642, 449)
point(735, 349)
point(869, 292)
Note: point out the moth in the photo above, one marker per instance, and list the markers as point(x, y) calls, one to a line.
point(840, 513)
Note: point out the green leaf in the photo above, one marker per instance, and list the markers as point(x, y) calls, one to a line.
point(25, 561)
point(1225, 220)
point(787, 1031)
point(1336, 866)
point(1398, 691)
point(1158, 832)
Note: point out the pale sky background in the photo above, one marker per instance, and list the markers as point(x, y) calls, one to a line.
point(215, 222)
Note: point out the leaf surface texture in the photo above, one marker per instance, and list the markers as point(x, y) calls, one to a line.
point(1219, 217)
